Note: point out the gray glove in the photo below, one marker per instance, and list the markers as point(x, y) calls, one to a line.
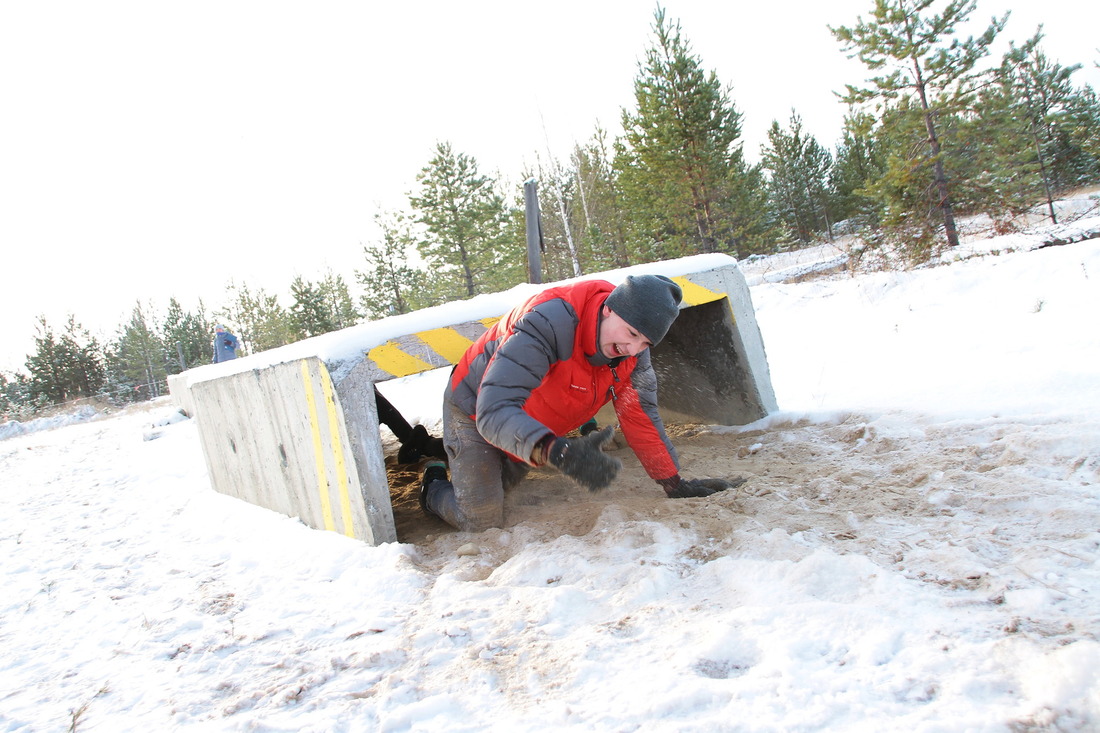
point(678, 488)
point(583, 459)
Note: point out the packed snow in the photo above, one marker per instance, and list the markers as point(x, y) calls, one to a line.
point(916, 548)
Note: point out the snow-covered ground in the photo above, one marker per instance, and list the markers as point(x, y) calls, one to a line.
point(11, 428)
point(916, 549)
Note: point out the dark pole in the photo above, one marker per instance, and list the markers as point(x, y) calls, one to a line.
point(534, 231)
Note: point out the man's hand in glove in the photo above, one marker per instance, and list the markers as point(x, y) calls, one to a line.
point(583, 459)
point(678, 488)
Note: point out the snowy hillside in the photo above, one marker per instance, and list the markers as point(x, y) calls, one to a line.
point(917, 547)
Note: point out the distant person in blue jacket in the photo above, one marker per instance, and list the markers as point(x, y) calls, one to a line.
point(225, 344)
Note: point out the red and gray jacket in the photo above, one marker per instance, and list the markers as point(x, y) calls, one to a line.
point(538, 371)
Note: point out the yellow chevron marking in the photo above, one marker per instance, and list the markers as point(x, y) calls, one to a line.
point(446, 342)
point(337, 452)
point(318, 449)
point(392, 359)
point(489, 322)
point(696, 294)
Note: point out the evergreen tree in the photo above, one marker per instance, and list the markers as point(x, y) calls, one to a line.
point(1041, 90)
point(603, 242)
point(339, 304)
point(65, 367)
point(582, 223)
point(262, 323)
point(186, 337)
point(1023, 141)
point(89, 369)
point(1080, 124)
point(799, 179)
point(931, 73)
point(1060, 121)
point(680, 166)
point(390, 285)
point(309, 310)
point(321, 307)
point(15, 397)
point(857, 164)
point(138, 358)
point(469, 238)
point(905, 194)
point(46, 366)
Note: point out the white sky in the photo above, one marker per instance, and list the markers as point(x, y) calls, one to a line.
point(257, 140)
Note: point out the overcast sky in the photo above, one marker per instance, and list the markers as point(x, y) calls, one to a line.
point(154, 149)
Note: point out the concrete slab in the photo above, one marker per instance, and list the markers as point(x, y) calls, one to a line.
point(296, 429)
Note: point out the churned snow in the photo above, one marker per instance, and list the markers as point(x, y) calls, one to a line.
point(916, 549)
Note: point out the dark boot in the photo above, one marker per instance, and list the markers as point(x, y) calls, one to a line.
point(412, 447)
point(433, 471)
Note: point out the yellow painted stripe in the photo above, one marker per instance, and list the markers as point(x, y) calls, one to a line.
point(696, 294)
point(337, 452)
point(392, 359)
point(318, 449)
point(446, 342)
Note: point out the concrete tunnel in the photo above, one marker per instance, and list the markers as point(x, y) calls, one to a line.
point(296, 429)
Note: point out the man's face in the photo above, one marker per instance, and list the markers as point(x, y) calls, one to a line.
point(618, 338)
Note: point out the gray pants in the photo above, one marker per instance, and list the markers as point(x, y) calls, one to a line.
point(473, 500)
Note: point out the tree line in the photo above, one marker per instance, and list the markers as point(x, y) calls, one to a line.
point(938, 131)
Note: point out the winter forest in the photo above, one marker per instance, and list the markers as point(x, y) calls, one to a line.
point(941, 129)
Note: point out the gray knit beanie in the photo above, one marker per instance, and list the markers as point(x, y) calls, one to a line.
point(649, 303)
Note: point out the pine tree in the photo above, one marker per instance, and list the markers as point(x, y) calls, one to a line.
point(931, 73)
point(603, 242)
point(857, 164)
point(1022, 139)
point(1080, 127)
point(799, 179)
point(321, 307)
point(906, 194)
point(16, 402)
point(582, 222)
point(309, 310)
point(46, 365)
point(65, 367)
point(262, 323)
point(138, 358)
point(390, 285)
point(339, 304)
point(469, 238)
point(186, 336)
point(680, 165)
point(1059, 120)
point(89, 370)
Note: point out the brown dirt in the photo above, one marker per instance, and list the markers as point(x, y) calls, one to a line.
point(894, 492)
point(558, 506)
point(414, 526)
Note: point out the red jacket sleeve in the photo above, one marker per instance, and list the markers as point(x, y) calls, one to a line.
point(636, 407)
